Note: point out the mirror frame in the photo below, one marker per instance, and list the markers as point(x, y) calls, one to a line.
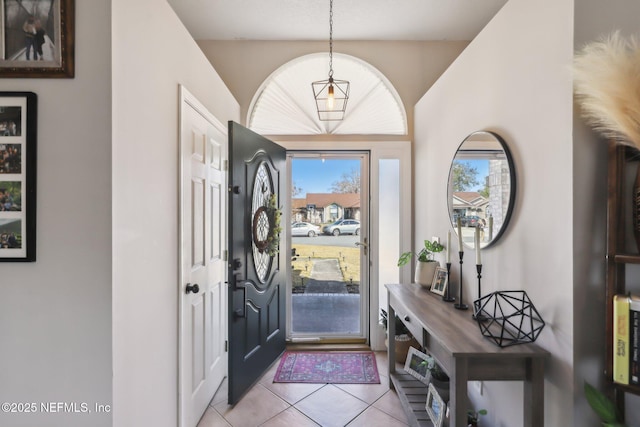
point(512, 189)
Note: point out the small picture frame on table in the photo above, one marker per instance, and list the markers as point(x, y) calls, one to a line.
point(435, 407)
point(440, 281)
point(18, 121)
point(416, 365)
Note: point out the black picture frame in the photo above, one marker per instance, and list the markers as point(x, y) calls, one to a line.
point(18, 167)
point(53, 25)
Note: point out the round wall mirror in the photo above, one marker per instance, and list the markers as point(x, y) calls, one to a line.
point(481, 188)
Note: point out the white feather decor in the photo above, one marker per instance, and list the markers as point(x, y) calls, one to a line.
point(607, 87)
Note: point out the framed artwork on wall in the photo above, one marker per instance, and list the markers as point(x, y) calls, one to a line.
point(37, 38)
point(18, 127)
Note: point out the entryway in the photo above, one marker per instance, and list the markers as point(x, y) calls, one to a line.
point(350, 281)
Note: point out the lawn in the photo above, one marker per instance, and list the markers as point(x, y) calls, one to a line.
point(349, 260)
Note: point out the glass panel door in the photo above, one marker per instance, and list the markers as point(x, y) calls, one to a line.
point(329, 241)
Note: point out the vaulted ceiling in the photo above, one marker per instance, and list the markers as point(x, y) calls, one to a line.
point(353, 19)
point(284, 104)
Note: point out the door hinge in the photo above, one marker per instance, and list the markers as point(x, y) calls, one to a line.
point(226, 346)
point(225, 165)
point(225, 255)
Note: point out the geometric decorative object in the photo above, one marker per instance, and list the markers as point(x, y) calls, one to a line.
point(510, 318)
point(338, 367)
point(331, 95)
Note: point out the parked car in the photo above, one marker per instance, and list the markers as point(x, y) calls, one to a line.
point(304, 229)
point(342, 226)
point(469, 221)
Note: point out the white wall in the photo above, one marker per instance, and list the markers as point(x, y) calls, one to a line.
point(513, 79)
point(55, 313)
point(410, 66)
point(152, 54)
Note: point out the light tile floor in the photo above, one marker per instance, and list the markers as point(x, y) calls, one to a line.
point(300, 405)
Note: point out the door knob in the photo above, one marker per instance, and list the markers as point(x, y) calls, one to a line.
point(193, 288)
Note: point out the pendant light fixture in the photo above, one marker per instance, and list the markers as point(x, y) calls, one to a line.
point(331, 95)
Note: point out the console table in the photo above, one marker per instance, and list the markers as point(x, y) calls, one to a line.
point(453, 338)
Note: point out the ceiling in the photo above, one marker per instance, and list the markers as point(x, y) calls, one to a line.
point(353, 19)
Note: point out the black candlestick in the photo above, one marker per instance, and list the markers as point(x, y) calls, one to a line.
point(477, 316)
point(447, 295)
point(460, 305)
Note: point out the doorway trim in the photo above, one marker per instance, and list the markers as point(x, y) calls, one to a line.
point(378, 150)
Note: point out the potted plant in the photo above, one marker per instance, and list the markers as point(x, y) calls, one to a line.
point(473, 416)
point(439, 377)
point(403, 340)
point(602, 406)
point(426, 266)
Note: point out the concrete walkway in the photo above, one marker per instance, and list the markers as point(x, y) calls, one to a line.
point(326, 307)
point(325, 278)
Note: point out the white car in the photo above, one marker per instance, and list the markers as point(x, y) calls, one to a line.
point(343, 226)
point(304, 229)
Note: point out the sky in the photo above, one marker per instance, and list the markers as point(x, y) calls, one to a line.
point(316, 176)
point(483, 170)
point(313, 175)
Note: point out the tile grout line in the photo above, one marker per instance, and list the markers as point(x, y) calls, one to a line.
point(289, 406)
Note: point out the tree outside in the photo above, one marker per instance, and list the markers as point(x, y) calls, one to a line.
point(349, 182)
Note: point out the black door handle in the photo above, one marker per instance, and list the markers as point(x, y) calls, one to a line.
point(193, 288)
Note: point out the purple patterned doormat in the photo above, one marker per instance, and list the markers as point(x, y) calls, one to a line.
point(339, 367)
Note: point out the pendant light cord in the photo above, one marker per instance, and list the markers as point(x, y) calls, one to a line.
point(330, 38)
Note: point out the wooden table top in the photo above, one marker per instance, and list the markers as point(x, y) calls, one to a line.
point(455, 329)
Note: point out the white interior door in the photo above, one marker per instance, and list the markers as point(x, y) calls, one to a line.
point(203, 359)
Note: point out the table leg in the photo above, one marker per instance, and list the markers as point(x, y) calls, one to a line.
point(391, 339)
point(458, 395)
point(534, 393)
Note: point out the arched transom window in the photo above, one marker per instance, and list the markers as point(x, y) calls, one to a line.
point(284, 104)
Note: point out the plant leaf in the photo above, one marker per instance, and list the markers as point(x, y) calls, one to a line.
point(601, 405)
point(404, 258)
